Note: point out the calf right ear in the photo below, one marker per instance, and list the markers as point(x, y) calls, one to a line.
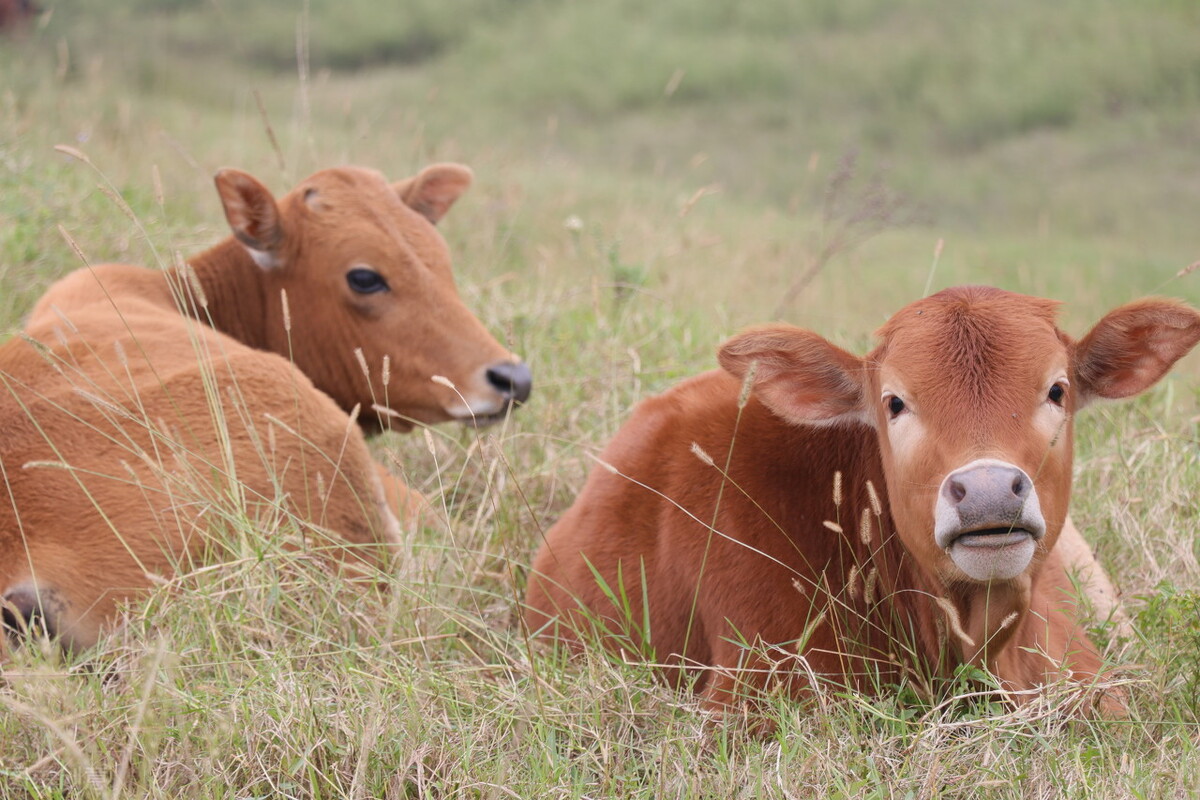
point(252, 213)
point(1132, 347)
point(798, 375)
point(432, 191)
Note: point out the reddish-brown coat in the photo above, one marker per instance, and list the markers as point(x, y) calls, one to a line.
point(15, 14)
point(129, 430)
point(714, 556)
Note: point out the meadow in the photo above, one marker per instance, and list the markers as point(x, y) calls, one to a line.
point(650, 177)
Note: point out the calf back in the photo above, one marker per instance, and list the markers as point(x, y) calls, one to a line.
point(128, 441)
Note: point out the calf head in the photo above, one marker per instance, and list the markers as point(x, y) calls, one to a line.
point(364, 268)
point(971, 392)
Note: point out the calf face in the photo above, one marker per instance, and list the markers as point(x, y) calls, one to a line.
point(364, 269)
point(971, 393)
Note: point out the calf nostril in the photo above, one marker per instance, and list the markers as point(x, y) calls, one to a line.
point(1019, 486)
point(512, 380)
point(957, 490)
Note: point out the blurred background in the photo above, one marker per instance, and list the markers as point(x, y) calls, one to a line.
point(799, 160)
point(651, 176)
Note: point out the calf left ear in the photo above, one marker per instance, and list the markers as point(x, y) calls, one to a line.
point(434, 189)
point(798, 375)
point(252, 214)
point(1132, 347)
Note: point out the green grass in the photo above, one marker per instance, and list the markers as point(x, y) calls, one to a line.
point(650, 178)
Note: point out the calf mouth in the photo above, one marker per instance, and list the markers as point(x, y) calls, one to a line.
point(994, 537)
point(486, 420)
point(994, 553)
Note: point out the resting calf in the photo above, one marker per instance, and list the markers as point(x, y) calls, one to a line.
point(144, 410)
point(712, 538)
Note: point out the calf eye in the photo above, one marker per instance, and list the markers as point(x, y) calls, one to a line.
point(366, 281)
point(895, 406)
point(1056, 394)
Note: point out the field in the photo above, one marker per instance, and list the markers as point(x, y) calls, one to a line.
point(650, 177)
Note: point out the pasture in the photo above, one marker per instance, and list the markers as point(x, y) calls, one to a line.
point(649, 179)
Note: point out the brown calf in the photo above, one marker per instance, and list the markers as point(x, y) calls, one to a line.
point(865, 519)
point(144, 409)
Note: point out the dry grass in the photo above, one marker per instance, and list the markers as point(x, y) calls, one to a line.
point(269, 676)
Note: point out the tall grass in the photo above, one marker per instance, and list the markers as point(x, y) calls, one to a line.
point(649, 179)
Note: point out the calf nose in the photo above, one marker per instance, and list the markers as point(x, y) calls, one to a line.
point(22, 613)
point(514, 381)
point(1005, 484)
point(989, 493)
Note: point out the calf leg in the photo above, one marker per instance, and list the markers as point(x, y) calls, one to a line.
point(1078, 559)
point(411, 508)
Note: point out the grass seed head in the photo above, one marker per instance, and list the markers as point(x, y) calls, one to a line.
point(869, 586)
point(876, 507)
point(189, 274)
point(287, 311)
point(954, 620)
point(58, 312)
point(747, 385)
point(362, 362)
point(864, 527)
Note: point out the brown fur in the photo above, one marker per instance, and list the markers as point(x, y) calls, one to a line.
point(687, 562)
point(130, 432)
point(15, 14)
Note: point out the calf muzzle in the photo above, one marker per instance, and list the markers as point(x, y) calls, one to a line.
point(513, 380)
point(988, 519)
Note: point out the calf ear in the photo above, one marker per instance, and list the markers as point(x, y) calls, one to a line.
point(432, 191)
point(1132, 347)
point(252, 213)
point(798, 375)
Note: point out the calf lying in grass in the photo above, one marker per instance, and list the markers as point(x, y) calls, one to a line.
point(872, 520)
point(142, 411)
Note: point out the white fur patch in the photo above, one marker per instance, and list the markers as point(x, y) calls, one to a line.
point(906, 431)
point(264, 259)
point(1050, 419)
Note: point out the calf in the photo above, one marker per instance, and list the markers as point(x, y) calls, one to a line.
point(144, 410)
point(870, 520)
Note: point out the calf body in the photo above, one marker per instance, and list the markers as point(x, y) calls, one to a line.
point(143, 411)
point(866, 519)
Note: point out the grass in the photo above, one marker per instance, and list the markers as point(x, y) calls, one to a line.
point(650, 178)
